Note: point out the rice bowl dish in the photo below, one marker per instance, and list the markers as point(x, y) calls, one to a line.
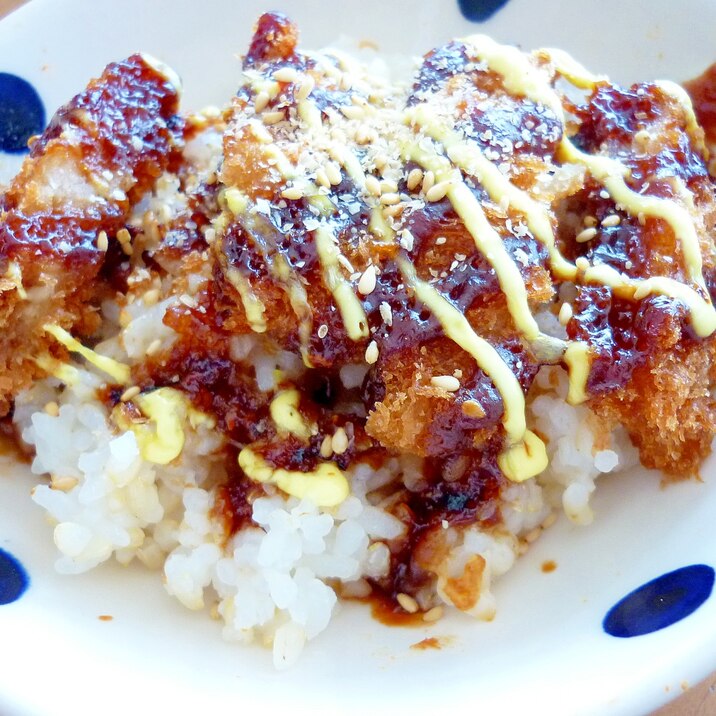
point(276, 435)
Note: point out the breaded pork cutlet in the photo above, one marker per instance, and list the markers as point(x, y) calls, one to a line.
point(63, 217)
point(652, 364)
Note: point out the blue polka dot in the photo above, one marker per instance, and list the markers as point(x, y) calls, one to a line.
point(480, 10)
point(661, 602)
point(13, 578)
point(22, 113)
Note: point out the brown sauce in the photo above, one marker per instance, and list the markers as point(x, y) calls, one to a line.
point(702, 90)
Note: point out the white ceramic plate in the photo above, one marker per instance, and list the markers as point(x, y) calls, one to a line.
point(546, 652)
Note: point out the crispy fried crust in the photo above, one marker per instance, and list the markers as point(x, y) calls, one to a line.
point(98, 154)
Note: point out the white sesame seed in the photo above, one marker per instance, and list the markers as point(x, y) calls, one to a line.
point(428, 181)
point(130, 393)
point(286, 74)
point(565, 313)
point(322, 331)
point(433, 615)
point(590, 220)
point(386, 313)
point(153, 347)
point(52, 409)
point(586, 235)
point(415, 177)
point(346, 82)
point(333, 172)
point(305, 88)
point(63, 484)
point(102, 241)
point(444, 524)
point(407, 603)
point(388, 185)
point(371, 353)
point(339, 441)
point(293, 193)
point(366, 285)
point(533, 535)
point(353, 111)
point(261, 102)
point(372, 185)
point(445, 382)
point(151, 297)
point(582, 263)
point(187, 300)
point(612, 220)
point(440, 241)
point(272, 117)
point(389, 198)
point(322, 178)
point(437, 191)
point(326, 447)
point(137, 144)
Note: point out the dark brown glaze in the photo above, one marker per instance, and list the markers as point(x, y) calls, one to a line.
point(702, 90)
point(100, 151)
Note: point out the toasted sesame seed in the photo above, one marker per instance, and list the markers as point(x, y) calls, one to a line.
point(333, 172)
point(326, 447)
point(322, 331)
point(125, 317)
point(125, 241)
point(612, 220)
point(641, 218)
point(380, 160)
point(63, 484)
point(445, 382)
point(52, 409)
point(388, 185)
point(261, 102)
point(415, 177)
point(440, 241)
point(130, 393)
point(433, 615)
point(353, 111)
point(372, 185)
point(187, 300)
point(586, 235)
point(386, 313)
point(151, 297)
point(565, 313)
point(549, 520)
point(437, 191)
point(473, 409)
point(533, 535)
point(339, 441)
point(428, 181)
point(272, 117)
point(371, 353)
point(582, 263)
point(367, 281)
point(407, 603)
point(322, 178)
point(102, 241)
point(389, 198)
point(393, 211)
point(286, 74)
point(293, 192)
point(153, 347)
point(589, 220)
point(305, 87)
